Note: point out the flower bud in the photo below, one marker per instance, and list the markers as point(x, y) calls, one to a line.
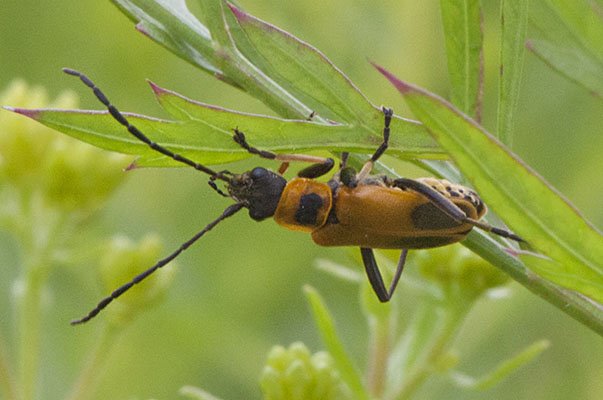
point(294, 373)
point(25, 143)
point(457, 268)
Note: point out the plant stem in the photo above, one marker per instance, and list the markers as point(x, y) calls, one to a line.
point(7, 380)
point(453, 316)
point(29, 329)
point(579, 307)
point(39, 234)
point(89, 377)
point(379, 349)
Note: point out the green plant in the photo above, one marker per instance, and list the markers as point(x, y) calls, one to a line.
point(295, 80)
point(253, 56)
point(50, 186)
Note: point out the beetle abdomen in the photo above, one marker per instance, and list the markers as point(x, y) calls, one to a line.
point(391, 218)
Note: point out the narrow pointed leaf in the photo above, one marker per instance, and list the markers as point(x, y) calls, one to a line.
point(326, 327)
point(171, 24)
point(464, 36)
point(303, 71)
point(408, 139)
point(204, 133)
point(514, 23)
point(576, 305)
point(569, 37)
point(501, 371)
point(530, 206)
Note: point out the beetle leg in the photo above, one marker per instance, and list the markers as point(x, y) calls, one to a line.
point(374, 275)
point(449, 208)
point(283, 168)
point(344, 159)
point(440, 201)
point(368, 166)
point(319, 167)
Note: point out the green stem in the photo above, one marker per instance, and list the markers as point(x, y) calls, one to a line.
point(39, 235)
point(453, 317)
point(579, 307)
point(88, 379)
point(7, 380)
point(29, 329)
point(379, 348)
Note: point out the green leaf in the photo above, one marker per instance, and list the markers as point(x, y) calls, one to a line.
point(408, 353)
point(204, 133)
point(514, 26)
point(326, 327)
point(501, 371)
point(408, 139)
point(464, 36)
point(288, 75)
point(570, 39)
point(172, 25)
point(522, 198)
point(304, 71)
point(570, 302)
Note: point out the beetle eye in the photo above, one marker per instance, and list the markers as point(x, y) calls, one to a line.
point(258, 172)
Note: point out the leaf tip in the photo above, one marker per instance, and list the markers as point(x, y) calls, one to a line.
point(157, 89)
point(140, 28)
point(133, 165)
point(239, 14)
point(402, 86)
point(23, 111)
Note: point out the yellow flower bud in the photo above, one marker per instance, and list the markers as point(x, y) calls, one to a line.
point(294, 373)
point(25, 143)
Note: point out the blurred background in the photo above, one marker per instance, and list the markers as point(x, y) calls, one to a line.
point(238, 292)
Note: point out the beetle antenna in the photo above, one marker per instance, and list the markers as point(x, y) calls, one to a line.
point(231, 210)
point(119, 117)
point(497, 231)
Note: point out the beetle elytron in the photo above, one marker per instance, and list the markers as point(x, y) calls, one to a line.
point(351, 209)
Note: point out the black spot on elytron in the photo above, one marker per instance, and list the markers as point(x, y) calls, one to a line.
point(467, 209)
point(428, 216)
point(309, 206)
point(480, 207)
point(454, 193)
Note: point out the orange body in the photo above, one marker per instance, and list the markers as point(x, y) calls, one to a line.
point(375, 215)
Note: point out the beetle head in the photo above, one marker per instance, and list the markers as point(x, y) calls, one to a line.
point(260, 189)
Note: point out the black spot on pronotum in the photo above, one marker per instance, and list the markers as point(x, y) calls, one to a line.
point(309, 206)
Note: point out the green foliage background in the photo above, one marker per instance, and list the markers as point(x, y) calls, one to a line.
point(238, 292)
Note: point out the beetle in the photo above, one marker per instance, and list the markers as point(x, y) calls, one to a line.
point(351, 209)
